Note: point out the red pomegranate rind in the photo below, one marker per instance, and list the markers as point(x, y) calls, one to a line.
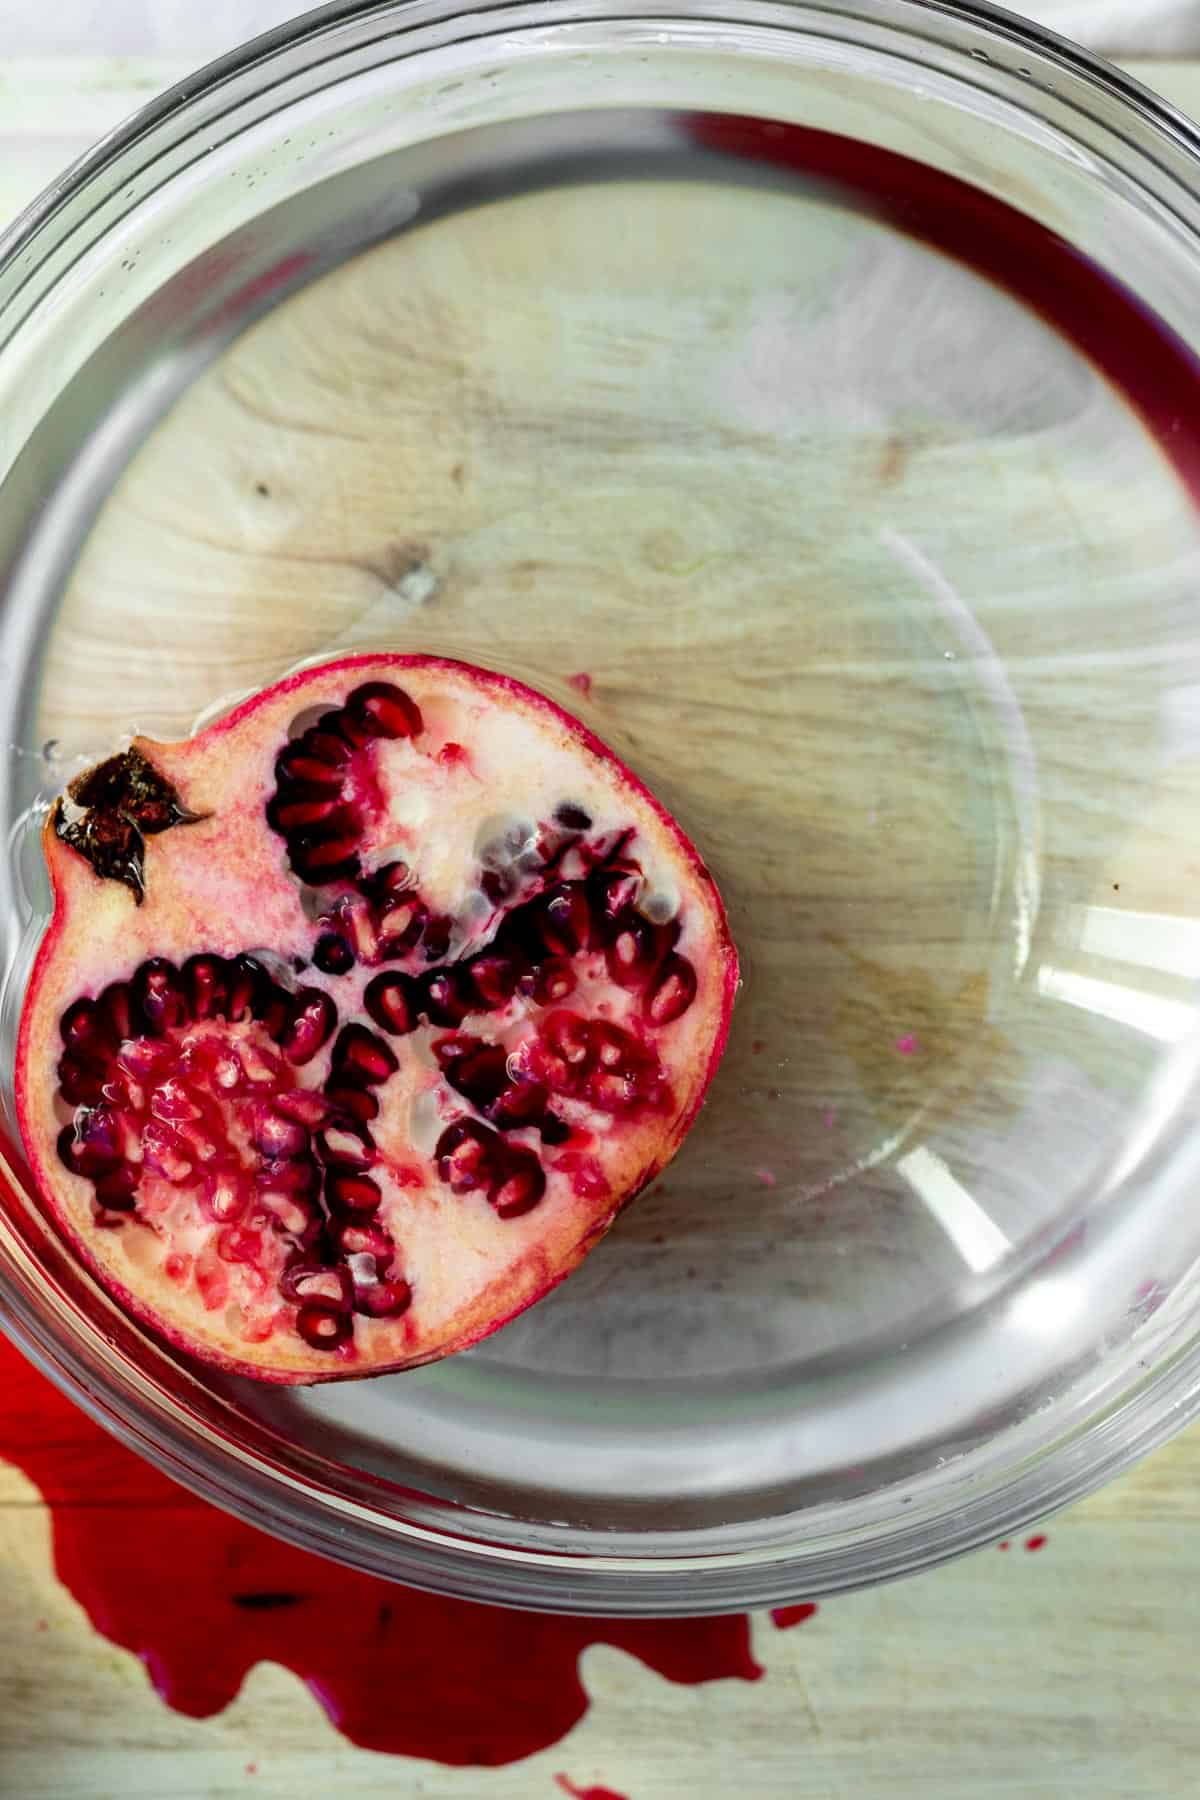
point(400, 989)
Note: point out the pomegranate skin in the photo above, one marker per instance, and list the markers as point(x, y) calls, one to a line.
point(323, 1069)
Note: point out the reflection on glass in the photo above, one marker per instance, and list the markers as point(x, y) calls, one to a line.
point(979, 1242)
point(1155, 1015)
point(1147, 940)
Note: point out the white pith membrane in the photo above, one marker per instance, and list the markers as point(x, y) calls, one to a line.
point(300, 1191)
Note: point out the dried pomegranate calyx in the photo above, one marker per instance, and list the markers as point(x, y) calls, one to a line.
point(114, 807)
point(428, 990)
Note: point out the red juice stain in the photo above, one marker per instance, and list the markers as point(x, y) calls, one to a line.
point(201, 1598)
point(1004, 1546)
point(785, 1616)
point(582, 683)
point(1035, 1543)
point(587, 1793)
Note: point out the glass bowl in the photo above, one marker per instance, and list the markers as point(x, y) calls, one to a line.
point(807, 396)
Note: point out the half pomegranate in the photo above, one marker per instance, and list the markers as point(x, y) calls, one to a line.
point(361, 1014)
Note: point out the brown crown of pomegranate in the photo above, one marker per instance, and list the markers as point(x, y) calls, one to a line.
point(361, 1014)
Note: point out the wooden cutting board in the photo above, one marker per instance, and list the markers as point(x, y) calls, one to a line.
point(1060, 1665)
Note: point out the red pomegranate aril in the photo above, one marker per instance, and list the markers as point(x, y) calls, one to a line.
point(518, 1104)
point(322, 1329)
point(318, 1284)
point(359, 1055)
point(82, 1081)
point(224, 1195)
point(86, 1031)
point(383, 1299)
point(118, 1188)
point(400, 925)
point(305, 807)
point(448, 997)
point(333, 955)
point(311, 1017)
point(435, 940)
point(348, 1099)
point(307, 1105)
point(393, 1001)
point(429, 883)
point(385, 710)
point(278, 1137)
point(203, 980)
point(164, 1154)
point(348, 1191)
point(158, 997)
point(359, 1237)
point(346, 1141)
point(468, 1156)
point(520, 1187)
point(564, 919)
point(495, 978)
point(673, 991)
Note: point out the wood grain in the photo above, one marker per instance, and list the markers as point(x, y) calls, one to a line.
point(1048, 1674)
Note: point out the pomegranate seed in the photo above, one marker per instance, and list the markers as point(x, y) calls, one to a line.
point(204, 983)
point(522, 1186)
point(564, 919)
point(347, 1142)
point(300, 768)
point(85, 1029)
point(163, 1154)
point(300, 1176)
point(673, 991)
point(384, 710)
point(322, 1329)
point(401, 922)
point(358, 1055)
point(554, 1130)
point(278, 1137)
point(477, 1070)
point(117, 1188)
point(448, 996)
point(327, 855)
point(310, 1021)
point(333, 955)
point(436, 939)
point(116, 1008)
point(80, 1080)
point(223, 1196)
point(247, 983)
point(327, 746)
point(495, 978)
point(383, 1299)
point(172, 1101)
point(467, 1156)
point(573, 817)
point(307, 1105)
point(520, 1103)
point(569, 1037)
point(393, 1001)
point(290, 1213)
point(348, 1191)
point(357, 1103)
point(551, 983)
point(317, 1284)
point(158, 997)
point(177, 1267)
point(302, 808)
point(358, 1237)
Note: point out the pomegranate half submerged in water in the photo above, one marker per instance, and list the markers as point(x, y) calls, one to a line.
point(362, 1014)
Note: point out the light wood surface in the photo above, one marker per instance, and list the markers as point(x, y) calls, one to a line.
point(1069, 1671)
